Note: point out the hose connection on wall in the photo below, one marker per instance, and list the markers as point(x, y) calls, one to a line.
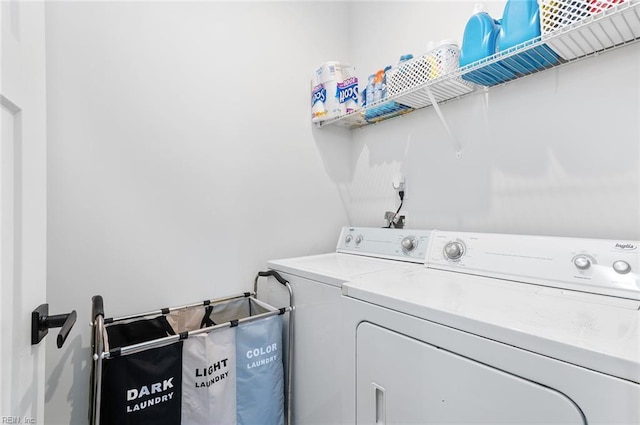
point(393, 218)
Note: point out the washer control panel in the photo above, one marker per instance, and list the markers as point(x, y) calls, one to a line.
point(608, 267)
point(395, 244)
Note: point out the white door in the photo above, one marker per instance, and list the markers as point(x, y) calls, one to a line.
point(23, 199)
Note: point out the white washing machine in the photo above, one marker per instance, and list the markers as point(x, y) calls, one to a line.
point(497, 329)
point(316, 282)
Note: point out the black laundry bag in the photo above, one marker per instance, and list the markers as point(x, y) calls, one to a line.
point(143, 388)
point(134, 332)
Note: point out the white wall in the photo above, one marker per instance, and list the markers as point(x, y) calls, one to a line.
point(556, 153)
point(181, 158)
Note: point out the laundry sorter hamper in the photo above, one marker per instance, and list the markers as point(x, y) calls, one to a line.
point(218, 361)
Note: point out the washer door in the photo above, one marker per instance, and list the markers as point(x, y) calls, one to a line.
point(401, 380)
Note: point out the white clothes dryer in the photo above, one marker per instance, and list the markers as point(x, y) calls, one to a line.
point(497, 329)
point(316, 282)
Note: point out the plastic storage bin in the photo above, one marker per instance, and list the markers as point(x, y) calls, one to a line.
point(408, 82)
point(443, 59)
point(556, 14)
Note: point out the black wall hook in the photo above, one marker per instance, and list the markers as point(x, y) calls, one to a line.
point(41, 322)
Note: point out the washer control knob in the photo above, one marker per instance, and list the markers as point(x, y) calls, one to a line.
point(453, 250)
point(348, 239)
point(408, 244)
point(621, 267)
point(358, 239)
point(582, 262)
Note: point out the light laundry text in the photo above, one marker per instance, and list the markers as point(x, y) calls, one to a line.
point(206, 371)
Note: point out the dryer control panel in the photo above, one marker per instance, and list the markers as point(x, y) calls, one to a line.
point(607, 267)
point(394, 244)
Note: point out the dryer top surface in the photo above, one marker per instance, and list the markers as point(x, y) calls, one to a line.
point(594, 331)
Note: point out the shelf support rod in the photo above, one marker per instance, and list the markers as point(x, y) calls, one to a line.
point(435, 105)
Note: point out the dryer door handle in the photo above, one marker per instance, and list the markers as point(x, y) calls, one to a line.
point(379, 404)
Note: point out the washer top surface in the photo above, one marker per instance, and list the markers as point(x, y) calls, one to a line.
point(361, 251)
point(337, 268)
point(594, 331)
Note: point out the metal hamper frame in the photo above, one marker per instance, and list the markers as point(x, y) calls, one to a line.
point(99, 355)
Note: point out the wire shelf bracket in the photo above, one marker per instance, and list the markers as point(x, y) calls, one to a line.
point(445, 124)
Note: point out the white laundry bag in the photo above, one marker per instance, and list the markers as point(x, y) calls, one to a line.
point(209, 378)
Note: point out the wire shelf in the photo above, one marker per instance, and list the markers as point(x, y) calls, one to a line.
point(615, 26)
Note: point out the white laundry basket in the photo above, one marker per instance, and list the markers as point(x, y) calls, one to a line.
point(442, 60)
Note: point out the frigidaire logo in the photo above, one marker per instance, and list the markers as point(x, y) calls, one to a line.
point(626, 246)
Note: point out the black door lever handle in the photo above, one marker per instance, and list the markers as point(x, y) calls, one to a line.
point(41, 322)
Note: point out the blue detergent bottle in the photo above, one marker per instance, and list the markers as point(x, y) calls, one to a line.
point(479, 42)
point(521, 23)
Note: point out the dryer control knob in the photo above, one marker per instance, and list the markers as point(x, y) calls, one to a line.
point(408, 244)
point(453, 250)
point(621, 267)
point(348, 239)
point(358, 239)
point(582, 262)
